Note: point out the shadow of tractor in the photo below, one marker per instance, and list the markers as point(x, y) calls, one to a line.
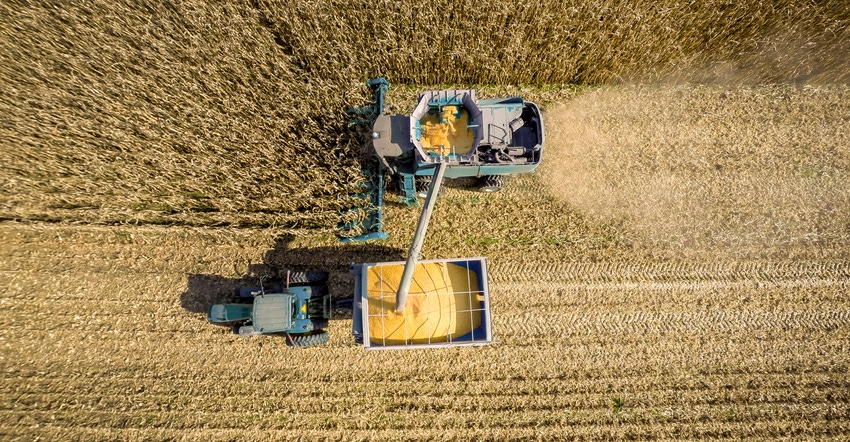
point(204, 289)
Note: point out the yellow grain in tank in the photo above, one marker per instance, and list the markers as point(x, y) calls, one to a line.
point(442, 134)
point(438, 306)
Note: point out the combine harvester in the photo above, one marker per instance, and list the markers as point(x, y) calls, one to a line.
point(485, 140)
point(412, 304)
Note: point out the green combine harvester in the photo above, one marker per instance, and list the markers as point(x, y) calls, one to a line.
point(485, 140)
point(450, 134)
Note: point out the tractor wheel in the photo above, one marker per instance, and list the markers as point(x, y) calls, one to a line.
point(307, 339)
point(307, 278)
point(423, 183)
point(491, 183)
point(319, 323)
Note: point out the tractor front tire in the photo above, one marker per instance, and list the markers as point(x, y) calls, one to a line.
point(307, 339)
point(491, 183)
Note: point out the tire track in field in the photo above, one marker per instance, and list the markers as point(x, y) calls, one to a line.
point(670, 272)
point(659, 316)
point(697, 322)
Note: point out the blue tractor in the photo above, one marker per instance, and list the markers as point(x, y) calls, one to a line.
point(485, 140)
point(299, 310)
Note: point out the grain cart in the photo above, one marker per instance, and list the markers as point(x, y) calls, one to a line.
point(448, 305)
point(486, 139)
point(299, 310)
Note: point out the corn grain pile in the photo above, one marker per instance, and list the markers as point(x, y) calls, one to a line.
point(440, 307)
point(447, 133)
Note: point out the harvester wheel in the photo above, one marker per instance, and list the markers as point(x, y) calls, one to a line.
point(423, 183)
point(307, 339)
point(491, 183)
point(307, 278)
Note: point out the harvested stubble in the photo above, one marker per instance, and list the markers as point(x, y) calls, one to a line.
point(754, 349)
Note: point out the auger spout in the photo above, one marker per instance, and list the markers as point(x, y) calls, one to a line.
point(419, 237)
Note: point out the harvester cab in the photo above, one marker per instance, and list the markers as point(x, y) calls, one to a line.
point(299, 310)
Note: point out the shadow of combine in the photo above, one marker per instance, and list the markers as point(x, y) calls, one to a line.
point(204, 289)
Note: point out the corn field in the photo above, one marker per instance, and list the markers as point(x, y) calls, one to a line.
point(232, 113)
point(676, 269)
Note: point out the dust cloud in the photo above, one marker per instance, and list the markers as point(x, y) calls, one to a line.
point(761, 168)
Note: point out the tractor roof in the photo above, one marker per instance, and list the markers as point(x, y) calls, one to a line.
point(273, 312)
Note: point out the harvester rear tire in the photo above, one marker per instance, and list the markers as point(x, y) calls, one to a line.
point(307, 339)
point(491, 183)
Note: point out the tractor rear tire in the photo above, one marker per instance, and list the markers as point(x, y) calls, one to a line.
point(491, 183)
point(307, 278)
point(236, 298)
point(307, 339)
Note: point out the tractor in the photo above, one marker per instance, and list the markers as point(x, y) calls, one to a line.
point(299, 310)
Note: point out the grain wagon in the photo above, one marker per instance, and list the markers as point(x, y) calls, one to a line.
point(448, 304)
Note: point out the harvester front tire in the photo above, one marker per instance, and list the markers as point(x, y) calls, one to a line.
point(423, 183)
point(319, 323)
point(307, 339)
point(491, 183)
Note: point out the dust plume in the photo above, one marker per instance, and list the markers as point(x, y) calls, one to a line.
point(707, 167)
